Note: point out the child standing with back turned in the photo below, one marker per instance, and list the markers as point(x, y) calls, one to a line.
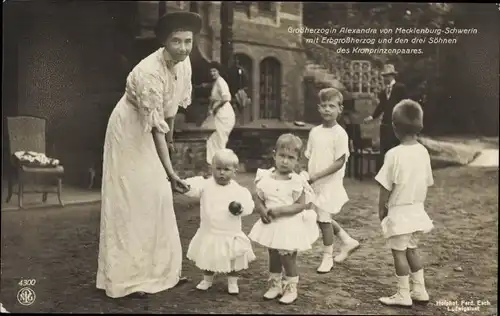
point(328, 151)
point(404, 178)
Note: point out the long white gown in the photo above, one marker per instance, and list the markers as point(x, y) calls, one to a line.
point(224, 119)
point(139, 246)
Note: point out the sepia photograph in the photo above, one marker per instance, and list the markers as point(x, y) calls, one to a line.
point(250, 157)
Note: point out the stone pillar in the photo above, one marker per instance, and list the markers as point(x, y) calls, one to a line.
point(189, 158)
point(147, 16)
point(226, 33)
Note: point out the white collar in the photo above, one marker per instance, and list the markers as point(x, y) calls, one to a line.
point(167, 58)
point(290, 175)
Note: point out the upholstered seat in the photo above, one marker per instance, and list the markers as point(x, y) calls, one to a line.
point(27, 133)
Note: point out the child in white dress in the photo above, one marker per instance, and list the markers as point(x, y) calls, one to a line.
point(288, 222)
point(328, 152)
point(219, 245)
point(404, 178)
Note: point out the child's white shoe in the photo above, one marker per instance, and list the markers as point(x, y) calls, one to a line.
point(275, 287)
point(232, 286)
point(418, 292)
point(397, 299)
point(206, 283)
point(402, 297)
point(349, 244)
point(420, 297)
point(289, 290)
point(326, 264)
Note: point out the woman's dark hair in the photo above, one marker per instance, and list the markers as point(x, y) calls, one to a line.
point(215, 65)
point(176, 21)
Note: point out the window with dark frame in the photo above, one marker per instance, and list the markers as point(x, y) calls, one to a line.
point(243, 6)
point(270, 89)
point(245, 62)
point(265, 6)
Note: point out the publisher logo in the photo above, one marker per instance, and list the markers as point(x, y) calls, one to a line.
point(26, 296)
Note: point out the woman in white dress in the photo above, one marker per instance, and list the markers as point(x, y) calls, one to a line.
point(222, 111)
point(139, 247)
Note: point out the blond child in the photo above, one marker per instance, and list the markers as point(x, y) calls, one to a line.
point(287, 224)
point(219, 245)
point(328, 152)
point(404, 178)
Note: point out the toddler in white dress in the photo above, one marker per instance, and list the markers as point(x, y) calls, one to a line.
point(328, 151)
point(404, 178)
point(219, 245)
point(288, 222)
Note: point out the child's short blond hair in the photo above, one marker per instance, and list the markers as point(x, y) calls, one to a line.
point(328, 94)
point(408, 117)
point(227, 157)
point(289, 141)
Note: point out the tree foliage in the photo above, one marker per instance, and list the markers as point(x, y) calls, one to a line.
point(431, 76)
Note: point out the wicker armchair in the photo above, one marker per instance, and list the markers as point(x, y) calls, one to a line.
point(27, 133)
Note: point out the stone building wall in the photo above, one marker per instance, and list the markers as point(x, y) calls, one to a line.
point(68, 72)
point(256, 146)
point(260, 35)
point(71, 73)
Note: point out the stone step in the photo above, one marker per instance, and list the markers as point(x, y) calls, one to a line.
point(322, 75)
point(313, 68)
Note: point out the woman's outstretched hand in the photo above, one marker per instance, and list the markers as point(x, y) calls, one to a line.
point(179, 185)
point(368, 119)
point(171, 146)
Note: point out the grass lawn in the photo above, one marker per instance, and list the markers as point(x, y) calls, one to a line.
point(58, 248)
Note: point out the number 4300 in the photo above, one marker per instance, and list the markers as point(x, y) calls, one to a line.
point(27, 282)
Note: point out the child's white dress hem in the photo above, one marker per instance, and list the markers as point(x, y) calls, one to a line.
point(221, 252)
point(220, 245)
point(406, 219)
point(292, 233)
point(287, 233)
point(331, 195)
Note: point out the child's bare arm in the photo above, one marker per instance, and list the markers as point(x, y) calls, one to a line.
point(260, 206)
point(248, 203)
point(386, 180)
point(383, 199)
point(195, 186)
point(293, 209)
point(334, 167)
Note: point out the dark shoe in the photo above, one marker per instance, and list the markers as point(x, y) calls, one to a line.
point(182, 281)
point(138, 295)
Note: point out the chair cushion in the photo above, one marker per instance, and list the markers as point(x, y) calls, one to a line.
point(34, 159)
point(51, 170)
point(370, 151)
